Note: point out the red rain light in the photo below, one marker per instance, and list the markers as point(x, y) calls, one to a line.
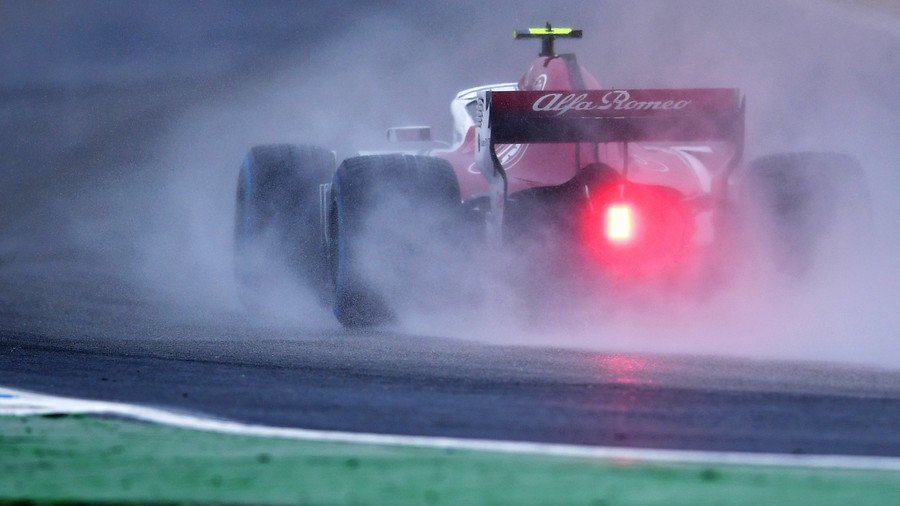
point(619, 223)
point(637, 230)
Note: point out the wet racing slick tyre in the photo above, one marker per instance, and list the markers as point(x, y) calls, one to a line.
point(388, 214)
point(804, 202)
point(277, 219)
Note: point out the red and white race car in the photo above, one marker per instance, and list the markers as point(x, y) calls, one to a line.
point(624, 184)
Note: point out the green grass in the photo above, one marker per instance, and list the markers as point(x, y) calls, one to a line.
point(87, 459)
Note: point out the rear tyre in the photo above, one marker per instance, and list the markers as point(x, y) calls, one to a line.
point(387, 213)
point(277, 222)
point(800, 200)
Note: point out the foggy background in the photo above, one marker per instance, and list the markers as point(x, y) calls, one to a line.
point(122, 126)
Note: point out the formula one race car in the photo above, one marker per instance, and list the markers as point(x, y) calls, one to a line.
point(621, 185)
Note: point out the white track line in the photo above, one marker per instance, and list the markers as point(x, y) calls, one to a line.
point(22, 403)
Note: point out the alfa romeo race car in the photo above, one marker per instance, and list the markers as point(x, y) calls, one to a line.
point(620, 185)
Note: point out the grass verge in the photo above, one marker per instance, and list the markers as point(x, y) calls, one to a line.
point(89, 459)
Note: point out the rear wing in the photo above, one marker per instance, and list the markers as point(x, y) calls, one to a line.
point(601, 116)
point(611, 116)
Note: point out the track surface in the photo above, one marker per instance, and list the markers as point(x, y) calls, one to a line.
point(404, 384)
point(493, 401)
point(73, 320)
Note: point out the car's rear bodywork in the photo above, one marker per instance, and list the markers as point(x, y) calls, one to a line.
point(556, 126)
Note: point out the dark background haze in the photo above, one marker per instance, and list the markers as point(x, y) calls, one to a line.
point(122, 125)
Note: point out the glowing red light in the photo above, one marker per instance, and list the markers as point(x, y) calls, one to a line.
point(634, 229)
point(619, 223)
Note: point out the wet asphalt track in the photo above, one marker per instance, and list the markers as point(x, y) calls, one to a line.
point(101, 341)
point(71, 325)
